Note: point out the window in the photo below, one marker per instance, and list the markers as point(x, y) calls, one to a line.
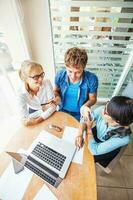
point(13, 42)
point(105, 32)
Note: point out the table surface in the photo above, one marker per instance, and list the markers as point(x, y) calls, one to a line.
point(80, 181)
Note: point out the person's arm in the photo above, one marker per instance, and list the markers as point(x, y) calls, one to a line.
point(85, 108)
point(50, 107)
point(57, 91)
point(91, 100)
point(108, 145)
point(79, 138)
point(29, 119)
point(92, 96)
point(49, 111)
point(32, 121)
point(35, 117)
point(57, 98)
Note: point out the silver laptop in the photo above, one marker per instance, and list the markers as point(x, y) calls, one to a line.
point(48, 157)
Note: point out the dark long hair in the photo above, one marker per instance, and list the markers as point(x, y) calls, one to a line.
point(120, 108)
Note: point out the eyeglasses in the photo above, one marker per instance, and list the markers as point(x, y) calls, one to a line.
point(105, 112)
point(36, 77)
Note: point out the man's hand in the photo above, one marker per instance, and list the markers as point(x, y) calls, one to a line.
point(84, 111)
point(56, 100)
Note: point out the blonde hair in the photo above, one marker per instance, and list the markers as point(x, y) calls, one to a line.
point(27, 65)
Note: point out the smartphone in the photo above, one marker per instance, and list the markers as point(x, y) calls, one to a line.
point(54, 127)
point(89, 114)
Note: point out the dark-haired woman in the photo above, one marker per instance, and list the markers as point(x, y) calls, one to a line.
point(112, 128)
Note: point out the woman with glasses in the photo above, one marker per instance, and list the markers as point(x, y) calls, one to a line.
point(111, 131)
point(36, 94)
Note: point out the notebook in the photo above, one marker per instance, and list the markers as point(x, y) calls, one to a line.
point(49, 157)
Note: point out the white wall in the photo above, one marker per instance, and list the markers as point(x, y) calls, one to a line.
point(37, 23)
point(10, 25)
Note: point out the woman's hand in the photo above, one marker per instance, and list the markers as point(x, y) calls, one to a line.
point(50, 104)
point(31, 122)
point(79, 141)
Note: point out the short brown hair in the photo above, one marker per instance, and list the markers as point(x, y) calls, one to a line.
point(75, 57)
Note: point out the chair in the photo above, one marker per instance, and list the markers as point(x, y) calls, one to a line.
point(128, 91)
point(113, 162)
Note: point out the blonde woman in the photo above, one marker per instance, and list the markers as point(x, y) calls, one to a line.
point(36, 94)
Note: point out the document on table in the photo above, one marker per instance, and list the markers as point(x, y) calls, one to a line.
point(13, 186)
point(45, 193)
point(70, 133)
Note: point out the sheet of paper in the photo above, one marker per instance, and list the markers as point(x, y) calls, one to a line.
point(69, 135)
point(13, 186)
point(45, 193)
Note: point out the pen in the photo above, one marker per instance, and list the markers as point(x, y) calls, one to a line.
point(89, 114)
point(78, 148)
point(43, 104)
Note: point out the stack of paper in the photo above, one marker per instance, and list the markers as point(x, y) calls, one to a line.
point(69, 135)
point(13, 186)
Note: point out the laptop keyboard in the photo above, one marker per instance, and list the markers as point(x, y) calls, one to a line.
point(48, 155)
point(40, 173)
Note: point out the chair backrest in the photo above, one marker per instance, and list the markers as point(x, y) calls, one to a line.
point(113, 163)
point(128, 91)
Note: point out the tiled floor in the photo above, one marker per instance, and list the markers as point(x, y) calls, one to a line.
point(119, 184)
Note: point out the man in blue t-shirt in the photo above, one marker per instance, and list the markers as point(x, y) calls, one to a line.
point(75, 88)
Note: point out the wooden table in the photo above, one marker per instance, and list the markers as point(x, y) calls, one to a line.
point(80, 181)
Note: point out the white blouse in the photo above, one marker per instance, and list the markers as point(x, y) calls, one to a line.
point(26, 101)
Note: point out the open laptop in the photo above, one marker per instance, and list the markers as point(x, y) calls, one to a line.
point(48, 157)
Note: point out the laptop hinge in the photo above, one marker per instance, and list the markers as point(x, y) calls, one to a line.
point(43, 167)
point(58, 181)
point(46, 174)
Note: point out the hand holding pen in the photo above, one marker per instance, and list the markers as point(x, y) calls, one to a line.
point(79, 142)
point(48, 104)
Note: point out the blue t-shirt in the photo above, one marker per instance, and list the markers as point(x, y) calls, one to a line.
point(88, 85)
point(71, 98)
point(109, 145)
